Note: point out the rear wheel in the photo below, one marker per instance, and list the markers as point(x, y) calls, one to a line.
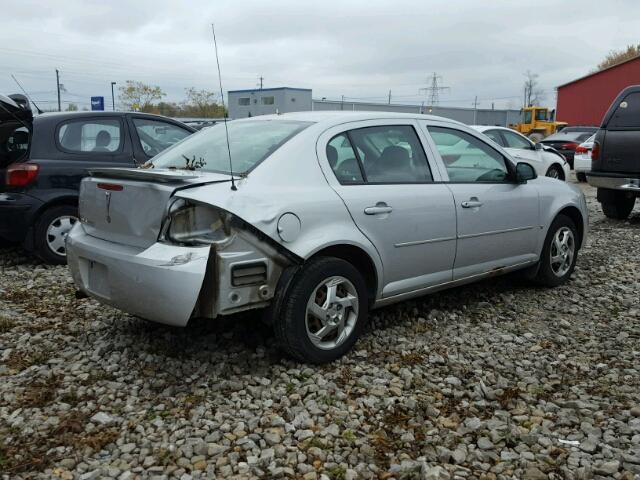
point(555, 172)
point(559, 253)
point(323, 312)
point(51, 232)
point(618, 205)
point(581, 176)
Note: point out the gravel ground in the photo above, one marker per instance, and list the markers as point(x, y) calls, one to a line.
point(493, 380)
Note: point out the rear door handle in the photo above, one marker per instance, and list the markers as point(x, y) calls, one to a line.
point(473, 202)
point(378, 209)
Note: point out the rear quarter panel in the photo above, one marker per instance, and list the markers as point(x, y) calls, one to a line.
point(291, 181)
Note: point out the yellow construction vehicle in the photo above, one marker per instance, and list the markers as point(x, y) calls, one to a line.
point(537, 123)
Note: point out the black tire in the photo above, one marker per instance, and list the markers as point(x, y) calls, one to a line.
point(290, 319)
point(546, 275)
point(42, 241)
point(581, 176)
point(555, 171)
point(619, 206)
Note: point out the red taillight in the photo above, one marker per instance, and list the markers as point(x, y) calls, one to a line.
point(581, 149)
point(21, 174)
point(110, 186)
point(569, 146)
point(595, 152)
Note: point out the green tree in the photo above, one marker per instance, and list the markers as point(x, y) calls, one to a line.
point(615, 57)
point(201, 103)
point(139, 96)
point(72, 107)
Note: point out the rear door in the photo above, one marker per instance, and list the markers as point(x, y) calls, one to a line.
point(75, 144)
point(620, 148)
point(381, 172)
point(151, 136)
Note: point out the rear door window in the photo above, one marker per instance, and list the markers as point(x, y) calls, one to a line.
point(102, 135)
point(627, 115)
point(156, 135)
point(390, 154)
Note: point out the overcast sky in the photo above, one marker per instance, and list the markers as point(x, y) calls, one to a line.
point(359, 49)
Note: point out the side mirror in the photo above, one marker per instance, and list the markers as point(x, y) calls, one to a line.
point(538, 146)
point(524, 172)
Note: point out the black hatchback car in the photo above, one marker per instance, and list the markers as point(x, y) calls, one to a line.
point(43, 158)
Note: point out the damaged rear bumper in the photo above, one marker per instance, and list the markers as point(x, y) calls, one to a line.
point(160, 283)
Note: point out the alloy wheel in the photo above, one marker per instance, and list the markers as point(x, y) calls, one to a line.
point(553, 173)
point(562, 251)
point(332, 312)
point(57, 232)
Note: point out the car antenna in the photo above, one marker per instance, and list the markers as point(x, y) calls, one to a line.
point(224, 112)
point(27, 95)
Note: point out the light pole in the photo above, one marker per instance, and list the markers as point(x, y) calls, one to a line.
point(113, 98)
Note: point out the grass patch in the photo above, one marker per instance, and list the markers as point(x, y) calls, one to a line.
point(6, 324)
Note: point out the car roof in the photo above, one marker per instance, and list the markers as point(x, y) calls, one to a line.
point(483, 128)
point(100, 113)
point(336, 117)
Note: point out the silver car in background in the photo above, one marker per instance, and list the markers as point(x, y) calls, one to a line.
point(331, 214)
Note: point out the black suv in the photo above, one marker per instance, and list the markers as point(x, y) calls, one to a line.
point(615, 166)
point(44, 157)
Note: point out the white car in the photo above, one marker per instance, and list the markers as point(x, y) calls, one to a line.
point(582, 159)
point(545, 160)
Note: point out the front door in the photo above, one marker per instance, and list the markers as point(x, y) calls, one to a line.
point(386, 182)
point(498, 220)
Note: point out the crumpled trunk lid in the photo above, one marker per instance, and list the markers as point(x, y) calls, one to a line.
point(128, 205)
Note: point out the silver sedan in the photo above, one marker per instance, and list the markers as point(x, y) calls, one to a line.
point(329, 215)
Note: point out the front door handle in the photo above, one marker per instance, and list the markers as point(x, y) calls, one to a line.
point(378, 209)
point(473, 202)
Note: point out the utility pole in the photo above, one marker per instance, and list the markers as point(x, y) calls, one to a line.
point(475, 110)
point(58, 89)
point(433, 91)
point(113, 98)
point(389, 97)
point(261, 79)
point(342, 103)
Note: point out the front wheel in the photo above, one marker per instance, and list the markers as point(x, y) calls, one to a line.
point(324, 311)
point(559, 253)
point(51, 233)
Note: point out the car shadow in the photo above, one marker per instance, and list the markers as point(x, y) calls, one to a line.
point(247, 346)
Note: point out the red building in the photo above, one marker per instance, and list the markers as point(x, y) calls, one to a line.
point(585, 101)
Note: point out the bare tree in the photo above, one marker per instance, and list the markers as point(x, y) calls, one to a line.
point(533, 94)
point(615, 57)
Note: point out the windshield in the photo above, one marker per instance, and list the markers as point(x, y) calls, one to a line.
point(565, 135)
point(250, 143)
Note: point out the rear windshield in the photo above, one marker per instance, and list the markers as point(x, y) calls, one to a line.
point(14, 143)
point(250, 143)
point(563, 135)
